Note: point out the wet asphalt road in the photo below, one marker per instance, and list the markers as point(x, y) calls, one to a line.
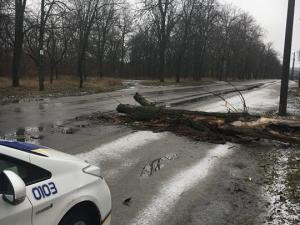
point(169, 179)
point(57, 110)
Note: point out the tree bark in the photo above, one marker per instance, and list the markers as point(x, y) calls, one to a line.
point(18, 41)
point(214, 126)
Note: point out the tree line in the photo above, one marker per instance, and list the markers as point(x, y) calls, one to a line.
point(155, 39)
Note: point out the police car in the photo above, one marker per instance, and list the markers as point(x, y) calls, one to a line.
point(41, 186)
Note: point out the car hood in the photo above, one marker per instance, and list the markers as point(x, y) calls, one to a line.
point(51, 153)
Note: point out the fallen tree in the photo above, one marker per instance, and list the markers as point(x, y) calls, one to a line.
point(213, 127)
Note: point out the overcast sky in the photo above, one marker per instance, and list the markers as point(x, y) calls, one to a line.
point(271, 15)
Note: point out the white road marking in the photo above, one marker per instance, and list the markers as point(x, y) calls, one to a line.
point(170, 192)
point(117, 149)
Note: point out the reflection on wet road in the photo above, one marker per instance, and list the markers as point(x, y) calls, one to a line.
point(169, 179)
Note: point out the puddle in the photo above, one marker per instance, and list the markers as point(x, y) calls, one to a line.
point(23, 135)
point(171, 191)
point(43, 106)
point(64, 130)
point(83, 124)
point(35, 134)
point(17, 110)
point(157, 164)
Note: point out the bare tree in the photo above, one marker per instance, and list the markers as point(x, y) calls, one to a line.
point(208, 40)
point(125, 27)
point(6, 34)
point(57, 45)
point(18, 40)
point(163, 13)
point(46, 9)
point(184, 28)
point(84, 14)
point(165, 38)
point(209, 13)
point(105, 21)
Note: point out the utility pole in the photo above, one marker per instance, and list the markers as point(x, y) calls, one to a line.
point(299, 80)
point(287, 59)
point(293, 68)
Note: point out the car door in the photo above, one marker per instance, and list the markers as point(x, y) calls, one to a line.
point(15, 214)
point(19, 214)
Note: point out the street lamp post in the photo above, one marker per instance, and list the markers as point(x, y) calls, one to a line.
point(287, 59)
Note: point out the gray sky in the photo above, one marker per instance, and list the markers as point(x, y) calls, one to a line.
point(271, 15)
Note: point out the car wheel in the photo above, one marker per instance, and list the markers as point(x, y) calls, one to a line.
point(78, 217)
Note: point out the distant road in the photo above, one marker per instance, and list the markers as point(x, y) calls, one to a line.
point(57, 110)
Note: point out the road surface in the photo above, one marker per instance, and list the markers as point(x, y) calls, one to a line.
point(168, 179)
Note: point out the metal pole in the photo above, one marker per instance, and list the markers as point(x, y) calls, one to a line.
point(299, 80)
point(287, 59)
point(293, 68)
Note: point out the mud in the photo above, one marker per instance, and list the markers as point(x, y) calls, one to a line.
point(158, 164)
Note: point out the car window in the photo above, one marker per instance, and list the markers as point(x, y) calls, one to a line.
point(29, 173)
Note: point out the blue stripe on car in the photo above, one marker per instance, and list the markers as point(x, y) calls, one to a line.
point(22, 146)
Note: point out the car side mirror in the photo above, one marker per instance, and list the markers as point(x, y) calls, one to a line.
point(13, 188)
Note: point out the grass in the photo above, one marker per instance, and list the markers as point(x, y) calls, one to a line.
point(172, 82)
point(64, 86)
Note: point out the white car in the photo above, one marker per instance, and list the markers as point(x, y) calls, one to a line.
point(41, 186)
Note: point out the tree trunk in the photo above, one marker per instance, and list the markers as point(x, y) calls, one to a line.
point(80, 69)
point(179, 63)
point(161, 69)
point(100, 67)
point(52, 68)
point(81, 59)
point(56, 72)
point(18, 42)
point(215, 127)
point(121, 69)
point(41, 47)
point(162, 46)
point(101, 49)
